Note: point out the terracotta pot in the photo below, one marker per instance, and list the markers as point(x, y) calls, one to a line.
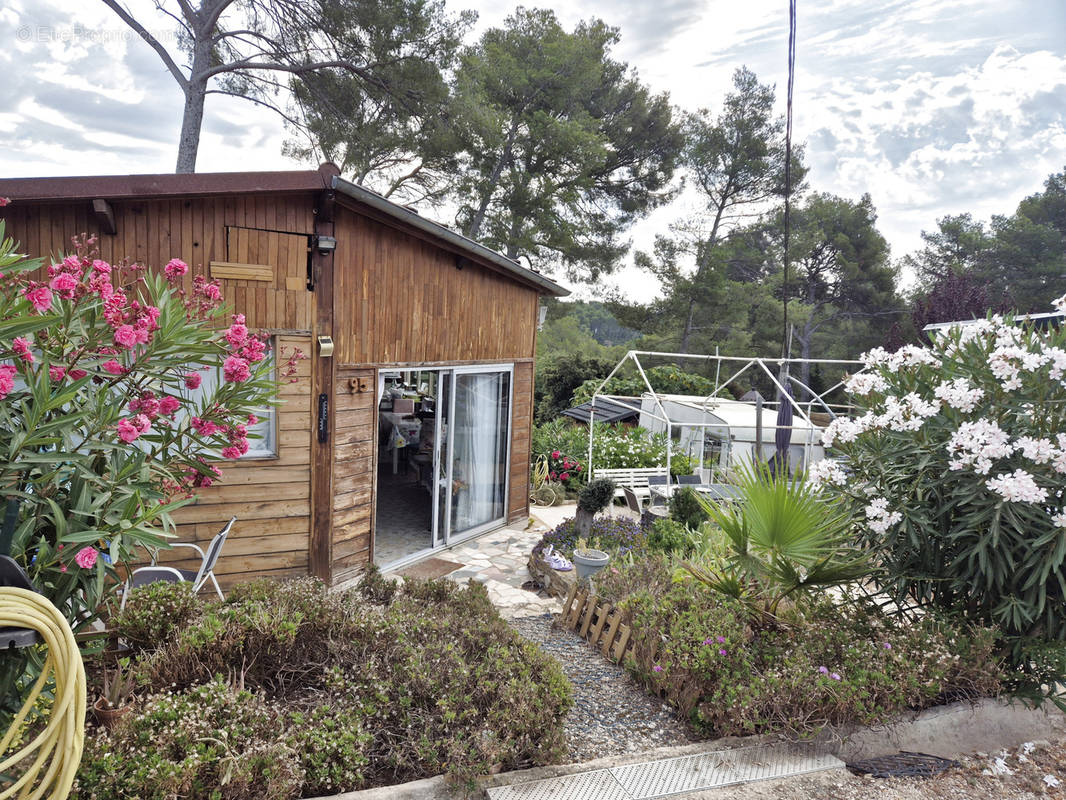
point(106, 716)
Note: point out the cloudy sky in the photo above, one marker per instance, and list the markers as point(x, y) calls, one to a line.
point(934, 107)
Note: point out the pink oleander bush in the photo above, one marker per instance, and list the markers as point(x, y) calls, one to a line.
point(957, 460)
point(101, 433)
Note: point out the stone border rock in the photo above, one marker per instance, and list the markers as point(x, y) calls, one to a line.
point(557, 584)
point(948, 731)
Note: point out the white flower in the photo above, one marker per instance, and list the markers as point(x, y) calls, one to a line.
point(826, 472)
point(1060, 304)
point(879, 518)
point(1039, 450)
point(959, 394)
point(1059, 520)
point(866, 382)
point(976, 444)
point(1017, 487)
point(1051, 781)
point(1028, 747)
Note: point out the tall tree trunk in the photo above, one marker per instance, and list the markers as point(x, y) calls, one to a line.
point(690, 317)
point(805, 353)
point(193, 115)
point(189, 141)
point(504, 159)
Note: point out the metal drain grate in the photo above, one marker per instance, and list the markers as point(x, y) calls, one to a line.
point(673, 776)
point(903, 764)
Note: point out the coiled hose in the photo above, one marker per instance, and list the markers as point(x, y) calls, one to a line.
point(56, 751)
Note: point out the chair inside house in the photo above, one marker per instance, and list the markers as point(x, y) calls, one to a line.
point(142, 576)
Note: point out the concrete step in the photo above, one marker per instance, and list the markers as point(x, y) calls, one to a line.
point(671, 777)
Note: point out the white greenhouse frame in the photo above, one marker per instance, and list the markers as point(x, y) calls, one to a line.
point(802, 409)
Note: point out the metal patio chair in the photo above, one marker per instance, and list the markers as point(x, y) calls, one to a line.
point(142, 576)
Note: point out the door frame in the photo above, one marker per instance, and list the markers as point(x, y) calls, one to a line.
point(443, 540)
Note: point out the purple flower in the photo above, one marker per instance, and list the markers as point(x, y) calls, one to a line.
point(708, 641)
point(657, 668)
point(888, 645)
point(723, 652)
point(823, 670)
point(834, 676)
point(720, 639)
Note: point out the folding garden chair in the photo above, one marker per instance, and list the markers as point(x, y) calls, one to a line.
point(142, 576)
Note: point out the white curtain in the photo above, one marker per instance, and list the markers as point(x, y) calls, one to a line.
point(480, 447)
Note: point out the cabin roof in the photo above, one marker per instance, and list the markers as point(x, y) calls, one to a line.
point(201, 184)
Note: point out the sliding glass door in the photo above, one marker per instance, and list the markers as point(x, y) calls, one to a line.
point(480, 449)
point(458, 478)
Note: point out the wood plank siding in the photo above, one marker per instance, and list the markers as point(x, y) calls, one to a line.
point(354, 471)
point(390, 296)
point(401, 300)
point(271, 497)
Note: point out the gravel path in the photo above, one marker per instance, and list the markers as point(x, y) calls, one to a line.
point(612, 715)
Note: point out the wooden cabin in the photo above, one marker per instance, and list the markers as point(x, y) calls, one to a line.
point(408, 428)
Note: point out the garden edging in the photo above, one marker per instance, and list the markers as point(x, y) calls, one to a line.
point(952, 730)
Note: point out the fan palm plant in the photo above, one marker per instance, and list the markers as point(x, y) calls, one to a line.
point(786, 540)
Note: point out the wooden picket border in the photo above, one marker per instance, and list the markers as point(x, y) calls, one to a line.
point(598, 622)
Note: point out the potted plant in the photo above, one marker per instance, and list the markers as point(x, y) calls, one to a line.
point(588, 560)
point(114, 702)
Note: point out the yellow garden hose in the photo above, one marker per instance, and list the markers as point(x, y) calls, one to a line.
point(57, 749)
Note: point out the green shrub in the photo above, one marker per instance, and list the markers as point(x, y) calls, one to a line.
point(332, 746)
point(957, 458)
point(670, 537)
point(786, 542)
point(155, 613)
point(274, 639)
point(376, 588)
point(685, 508)
point(431, 682)
point(618, 535)
point(595, 497)
point(211, 741)
point(835, 664)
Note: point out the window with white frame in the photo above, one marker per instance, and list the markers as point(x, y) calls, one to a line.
point(262, 436)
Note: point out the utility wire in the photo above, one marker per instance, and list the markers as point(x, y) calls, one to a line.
point(788, 168)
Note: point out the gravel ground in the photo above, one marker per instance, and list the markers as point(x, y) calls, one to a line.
point(612, 714)
point(1025, 781)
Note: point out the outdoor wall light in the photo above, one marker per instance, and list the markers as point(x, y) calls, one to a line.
point(325, 244)
point(325, 346)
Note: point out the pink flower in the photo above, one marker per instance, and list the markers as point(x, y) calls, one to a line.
point(57, 373)
point(252, 419)
point(564, 476)
point(236, 370)
point(168, 405)
point(101, 267)
point(7, 380)
point(555, 453)
point(237, 335)
point(40, 298)
point(126, 336)
point(212, 291)
point(4, 201)
point(142, 422)
point(553, 475)
point(127, 431)
point(22, 349)
point(231, 452)
point(175, 268)
point(657, 668)
point(77, 374)
point(64, 285)
point(204, 427)
point(63, 568)
point(86, 557)
point(720, 639)
point(192, 380)
point(112, 367)
point(723, 652)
